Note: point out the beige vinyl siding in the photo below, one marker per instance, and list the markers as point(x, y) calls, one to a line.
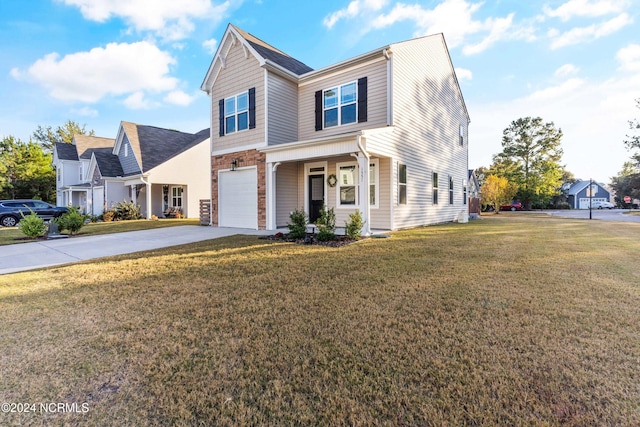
point(239, 74)
point(282, 110)
point(376, 73)
point(428, 110)
point(287, 183)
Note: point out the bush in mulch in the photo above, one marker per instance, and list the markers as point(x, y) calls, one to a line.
point(311, 239)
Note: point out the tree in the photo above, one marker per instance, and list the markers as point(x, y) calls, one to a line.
point(633, 141)
point(48, 137)
point(530, 158)
point(25, 171)
point(497, 191)
point(627, 183)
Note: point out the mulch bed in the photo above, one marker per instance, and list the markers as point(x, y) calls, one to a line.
point(311, 239)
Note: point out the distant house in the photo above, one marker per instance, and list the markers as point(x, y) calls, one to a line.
point(473, 189)
point(579, 195)
point(385, 133)
point(159, 169)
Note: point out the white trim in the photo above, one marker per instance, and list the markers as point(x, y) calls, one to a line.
point(339, 104)
point(307, 172)
point(355, 185)
point(376, 171)
point(266, 107)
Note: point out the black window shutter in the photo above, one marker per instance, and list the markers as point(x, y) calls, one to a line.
point(221, 116)
point(252, 108)
point(319, 110)
point(362, 100)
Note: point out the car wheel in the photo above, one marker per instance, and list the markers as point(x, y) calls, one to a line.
point(9, 221)
point(513, 208)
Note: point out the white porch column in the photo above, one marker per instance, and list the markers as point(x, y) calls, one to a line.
point(365, 211)
point(271, 194)
point(148, 199)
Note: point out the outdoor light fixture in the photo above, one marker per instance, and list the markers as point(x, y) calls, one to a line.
point(234, 164)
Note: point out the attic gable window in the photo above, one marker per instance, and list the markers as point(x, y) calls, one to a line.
point(238, 112)
point(341, 105)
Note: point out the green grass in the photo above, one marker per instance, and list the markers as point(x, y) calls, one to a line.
point(509, 320)
point(11, 235)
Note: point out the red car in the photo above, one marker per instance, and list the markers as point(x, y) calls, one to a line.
point(515, 206)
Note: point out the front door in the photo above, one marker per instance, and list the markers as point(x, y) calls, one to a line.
point(316, 196)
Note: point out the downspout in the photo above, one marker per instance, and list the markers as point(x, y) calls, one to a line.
point(148, 198)
point(210, 159)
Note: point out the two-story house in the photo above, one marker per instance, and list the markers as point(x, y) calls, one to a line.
point(385, 132)
point(159, 169)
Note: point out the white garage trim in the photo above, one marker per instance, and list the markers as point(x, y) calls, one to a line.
point(238, 198)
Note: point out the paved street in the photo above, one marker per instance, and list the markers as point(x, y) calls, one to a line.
point(599, 214)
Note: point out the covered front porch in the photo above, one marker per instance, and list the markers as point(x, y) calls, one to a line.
point(337, 172)
point(164, 200)
point(77, 195)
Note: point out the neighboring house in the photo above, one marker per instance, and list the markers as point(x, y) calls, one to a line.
point(385, 132)
point(153, 167)
point(475, 202)
point(578, 194)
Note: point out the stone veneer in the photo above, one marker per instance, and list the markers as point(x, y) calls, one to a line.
point(244, 158)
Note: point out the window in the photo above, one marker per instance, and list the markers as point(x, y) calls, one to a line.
point(236, 113)
point(80, 172)
point(464, 192)
point(339, 105)
point(434, 187)
point(402, 184)
point(176, 197)
point(347, 181)
point(126, 149)
point(450, 190)
point(461, 135)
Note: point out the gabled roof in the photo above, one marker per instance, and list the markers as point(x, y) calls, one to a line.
point(66, 151)
point(272, 54)
point(153, 146)
point(578, 186)
point(266, 55)
point(85, 144)
point(108, 163)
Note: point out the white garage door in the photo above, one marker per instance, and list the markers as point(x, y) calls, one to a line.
point(98, 200)
point(238, 198)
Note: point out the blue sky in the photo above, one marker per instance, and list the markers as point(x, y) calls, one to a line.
point(573, 62)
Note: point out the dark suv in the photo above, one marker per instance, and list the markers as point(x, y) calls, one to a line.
point(11, 210)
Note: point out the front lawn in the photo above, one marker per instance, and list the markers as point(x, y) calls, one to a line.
point(12, 235)
point(508, 320)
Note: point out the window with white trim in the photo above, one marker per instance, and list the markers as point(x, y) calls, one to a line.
point(176, 197)
point(450, 190)
point(348, 194)
point(340, 105)
point(402, 184)
point(236, 113)
point(461, 133)
point(434, 187)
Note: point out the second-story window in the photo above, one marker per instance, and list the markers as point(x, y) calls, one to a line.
point(340, 105)
point(236, 113)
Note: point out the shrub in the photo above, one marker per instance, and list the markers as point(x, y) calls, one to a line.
point(298, 224)
point(326, 225)
point(123, 211)
point(353, 227)
point(107, 216)
point(563, 205)
point(32, 226)
point(71, 221)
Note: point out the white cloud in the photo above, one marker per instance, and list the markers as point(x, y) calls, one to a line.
point(498, 29)
point(116, 69)
point(178, 97)
point(354, 8)
point(629, 58)
point(567, 70)
point(463, 74)
point(566, 88)
point(210, 46)
point(137, 101)
point(585, 34)
point(587, 8)
point(85, 111)
point(169, 19)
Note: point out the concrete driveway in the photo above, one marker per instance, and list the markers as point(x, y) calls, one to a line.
point(47, 253)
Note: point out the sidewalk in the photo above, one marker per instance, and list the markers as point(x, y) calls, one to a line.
point(47, 253)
